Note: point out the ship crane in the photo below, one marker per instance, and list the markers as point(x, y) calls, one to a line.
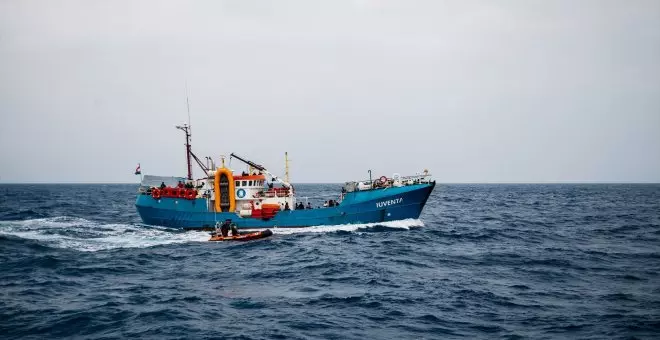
point(262, 169)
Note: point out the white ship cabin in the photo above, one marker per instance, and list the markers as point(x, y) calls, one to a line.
point(251, 191)
point(249, 186)
point(387, 182)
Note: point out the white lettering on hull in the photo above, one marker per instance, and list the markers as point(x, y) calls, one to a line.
point(388, 203)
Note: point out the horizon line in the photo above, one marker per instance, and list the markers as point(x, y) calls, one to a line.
point(437, 182)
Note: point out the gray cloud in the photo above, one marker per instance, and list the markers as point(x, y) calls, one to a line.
point(476, 91)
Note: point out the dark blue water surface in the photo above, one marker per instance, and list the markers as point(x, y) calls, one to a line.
point(483, 261)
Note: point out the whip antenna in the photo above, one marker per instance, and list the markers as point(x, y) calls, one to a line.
point(188, 108)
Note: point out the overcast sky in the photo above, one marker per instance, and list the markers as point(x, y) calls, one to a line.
point(475, 91)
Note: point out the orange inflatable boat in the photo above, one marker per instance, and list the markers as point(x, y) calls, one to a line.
point(242, 237)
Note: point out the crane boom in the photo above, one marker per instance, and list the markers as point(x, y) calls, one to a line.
point(250, 163)
point(261, 168)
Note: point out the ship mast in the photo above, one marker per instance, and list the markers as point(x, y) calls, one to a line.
point(186, 128)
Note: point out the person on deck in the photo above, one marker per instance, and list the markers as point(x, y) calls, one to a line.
point(224, 229)
point(217, 229)
point(286, 206)
point(180, 185)
point(162, 185)
point(234, 230)
point(309, 205)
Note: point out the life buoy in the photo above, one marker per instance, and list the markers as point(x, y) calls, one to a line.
point(181, 193)
point(155, 193)
point(167, 192)
point(240, 193)
point(383, 179)
point(191, 194)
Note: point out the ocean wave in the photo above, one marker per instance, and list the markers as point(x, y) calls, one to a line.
point(21, 214)
point(474, 269)
point(366, 227)
point(85, 235)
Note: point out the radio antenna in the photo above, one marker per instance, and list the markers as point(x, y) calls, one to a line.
point(188, 108)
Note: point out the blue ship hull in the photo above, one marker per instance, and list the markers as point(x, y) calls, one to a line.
point(373, 206)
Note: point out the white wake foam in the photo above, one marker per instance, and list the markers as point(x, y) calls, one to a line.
point(402, 224)
point(85, 235)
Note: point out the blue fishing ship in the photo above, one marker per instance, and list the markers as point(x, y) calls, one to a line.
point(257, 199)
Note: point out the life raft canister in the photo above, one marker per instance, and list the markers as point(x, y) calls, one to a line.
point(191, 194)
point(155, 193)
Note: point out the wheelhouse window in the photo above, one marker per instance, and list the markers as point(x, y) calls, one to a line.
point(238, 183)
point(244, 183)
point(250, 183)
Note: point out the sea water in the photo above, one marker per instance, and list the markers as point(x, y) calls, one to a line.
point(483, 261)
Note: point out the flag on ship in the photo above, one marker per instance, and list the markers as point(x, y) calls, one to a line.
point(137, 170)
